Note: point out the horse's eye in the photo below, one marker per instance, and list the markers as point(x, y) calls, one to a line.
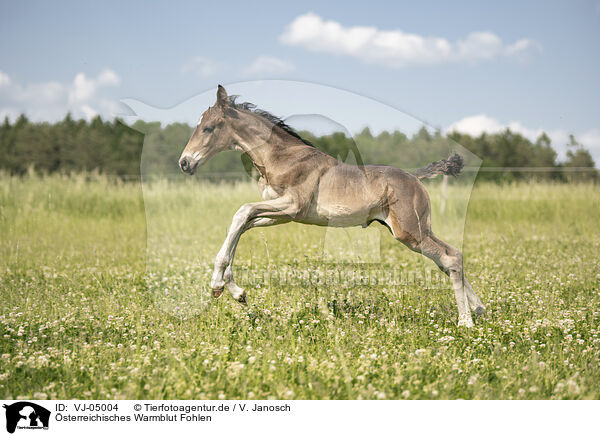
point(208, 129)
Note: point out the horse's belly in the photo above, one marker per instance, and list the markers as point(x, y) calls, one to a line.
point(339, 214)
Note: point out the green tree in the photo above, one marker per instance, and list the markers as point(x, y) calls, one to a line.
point(580, 161)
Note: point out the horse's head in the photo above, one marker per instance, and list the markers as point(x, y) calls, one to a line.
point(213, 134)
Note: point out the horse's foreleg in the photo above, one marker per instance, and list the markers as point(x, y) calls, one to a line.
point(250, 215)
point(232, 287)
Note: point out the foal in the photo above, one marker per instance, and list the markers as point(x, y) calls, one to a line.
point(300, 183)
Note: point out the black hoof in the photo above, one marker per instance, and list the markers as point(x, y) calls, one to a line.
point(242, 299)
point(480, 311)
point(216, 293)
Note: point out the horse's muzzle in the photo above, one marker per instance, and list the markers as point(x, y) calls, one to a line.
point(188, 165)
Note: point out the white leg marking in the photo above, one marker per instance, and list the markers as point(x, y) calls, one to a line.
point(244, 219)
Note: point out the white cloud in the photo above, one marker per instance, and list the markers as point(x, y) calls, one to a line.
point(202, 66)
point(88, 111)
point(395, 48)
point(8, 112)
point(82, 88)
point(108, 77)
point(41, 93)
point(51, 100)
point(477, 124)
point(4, 79)
point(268, 65)
point(591, 139)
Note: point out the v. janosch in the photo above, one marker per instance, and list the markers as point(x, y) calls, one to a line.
point(260, 408)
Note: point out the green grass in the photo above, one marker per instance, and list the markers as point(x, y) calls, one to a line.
point(100, 300)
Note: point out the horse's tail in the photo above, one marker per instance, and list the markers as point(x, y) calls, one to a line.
point(451, 167)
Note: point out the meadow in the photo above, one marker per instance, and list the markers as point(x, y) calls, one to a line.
point(105, 296)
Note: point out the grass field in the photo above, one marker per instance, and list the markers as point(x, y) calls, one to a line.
point(100, 300)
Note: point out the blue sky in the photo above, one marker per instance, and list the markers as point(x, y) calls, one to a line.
point(472, 66)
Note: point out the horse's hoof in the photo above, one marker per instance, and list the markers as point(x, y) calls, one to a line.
point(242, 299)
point(479, 311)
point(217, 292)
point(468, 323)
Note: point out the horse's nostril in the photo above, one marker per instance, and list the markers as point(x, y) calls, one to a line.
point(183, 164)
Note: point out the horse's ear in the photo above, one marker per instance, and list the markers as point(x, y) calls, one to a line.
point(222, 98)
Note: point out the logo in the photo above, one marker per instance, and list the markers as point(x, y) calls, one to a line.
point(26, 415)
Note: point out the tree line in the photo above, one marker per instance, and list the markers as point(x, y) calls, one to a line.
point(116, 148)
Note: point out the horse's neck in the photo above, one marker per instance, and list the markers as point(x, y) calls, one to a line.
point(264, 144)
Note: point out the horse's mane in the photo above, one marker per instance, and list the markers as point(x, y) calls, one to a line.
point(250, 107)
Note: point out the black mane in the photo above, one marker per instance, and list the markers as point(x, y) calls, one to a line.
point(250, 107)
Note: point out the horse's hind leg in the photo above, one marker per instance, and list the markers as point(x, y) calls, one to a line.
point(449, 260)
point(446, 264)
point(446, 257)
point(409, 220)
point(474, 300)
